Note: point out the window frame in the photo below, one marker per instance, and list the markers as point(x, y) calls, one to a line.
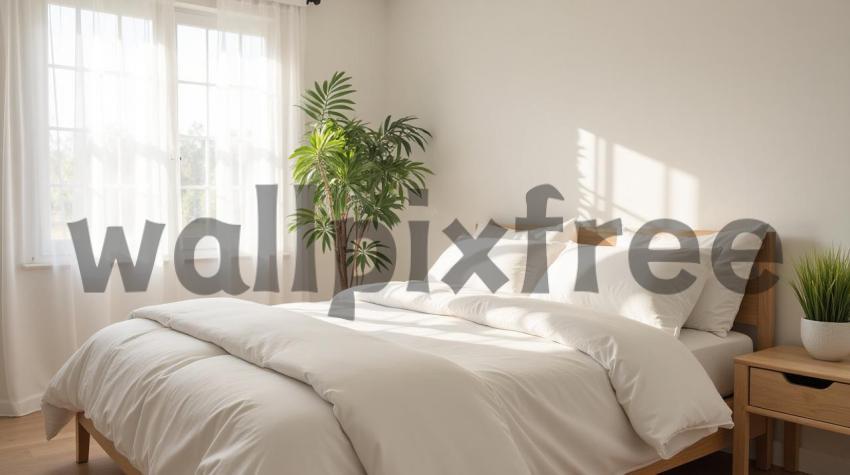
point(47, 248)
point(44, 249)
point(204, 18)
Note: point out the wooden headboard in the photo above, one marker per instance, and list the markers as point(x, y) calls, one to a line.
point(758, 309)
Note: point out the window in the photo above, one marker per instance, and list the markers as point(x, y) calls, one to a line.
point(102, 153)
point(221, 107)
point(92, 61)
point(135, 135)
point(197, 159)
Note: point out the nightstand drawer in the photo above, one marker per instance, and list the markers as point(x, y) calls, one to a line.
point(812, 398)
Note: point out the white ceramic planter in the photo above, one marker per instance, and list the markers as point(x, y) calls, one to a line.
point(828, 341)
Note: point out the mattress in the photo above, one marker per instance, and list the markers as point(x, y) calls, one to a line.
point(717, 354)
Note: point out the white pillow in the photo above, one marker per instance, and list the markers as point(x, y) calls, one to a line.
point(509, 255)
point(619, 292)
point(717, 306)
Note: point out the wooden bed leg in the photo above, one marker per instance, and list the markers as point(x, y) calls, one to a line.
point(741, 432)
point(83, 438)
point(764, 447)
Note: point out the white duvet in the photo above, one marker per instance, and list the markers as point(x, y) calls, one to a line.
point(417, 383)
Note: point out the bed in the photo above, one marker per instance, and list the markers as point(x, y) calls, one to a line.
point(169, 392)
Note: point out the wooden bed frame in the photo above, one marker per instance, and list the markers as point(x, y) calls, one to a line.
point(85, 430)
point(756, 316)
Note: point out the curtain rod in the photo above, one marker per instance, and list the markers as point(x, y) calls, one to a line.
point(191, 5)
point(298, 2)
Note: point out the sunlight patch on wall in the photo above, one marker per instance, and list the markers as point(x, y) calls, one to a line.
point(615, 181)
point(591, 176)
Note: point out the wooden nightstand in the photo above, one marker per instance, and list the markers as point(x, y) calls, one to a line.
point(785, 383)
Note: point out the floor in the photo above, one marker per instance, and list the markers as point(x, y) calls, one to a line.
point(24, 451)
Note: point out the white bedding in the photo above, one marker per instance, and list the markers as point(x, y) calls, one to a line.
point(173, 403)
point(717, 354)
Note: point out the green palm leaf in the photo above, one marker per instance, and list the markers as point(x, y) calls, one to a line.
point(363, 176)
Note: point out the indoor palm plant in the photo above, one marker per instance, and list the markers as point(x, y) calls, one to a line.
point(362, 176)
point(822, 286)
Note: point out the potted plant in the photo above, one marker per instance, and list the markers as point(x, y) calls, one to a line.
point(362, 176)
point(822, 286)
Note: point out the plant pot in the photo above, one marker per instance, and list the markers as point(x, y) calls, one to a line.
point(827, 341)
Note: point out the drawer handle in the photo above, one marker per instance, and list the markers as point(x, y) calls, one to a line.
point(808, 381)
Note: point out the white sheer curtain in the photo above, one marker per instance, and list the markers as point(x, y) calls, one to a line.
point(119, 112)
point(108, 151)
point(230, 111)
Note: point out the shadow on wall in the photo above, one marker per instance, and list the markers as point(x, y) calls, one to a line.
point(615, 181)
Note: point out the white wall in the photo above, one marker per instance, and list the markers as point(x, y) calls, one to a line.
point(350, 36)
point(701, 111)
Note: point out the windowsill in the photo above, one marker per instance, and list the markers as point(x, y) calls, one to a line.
point(36, 265)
